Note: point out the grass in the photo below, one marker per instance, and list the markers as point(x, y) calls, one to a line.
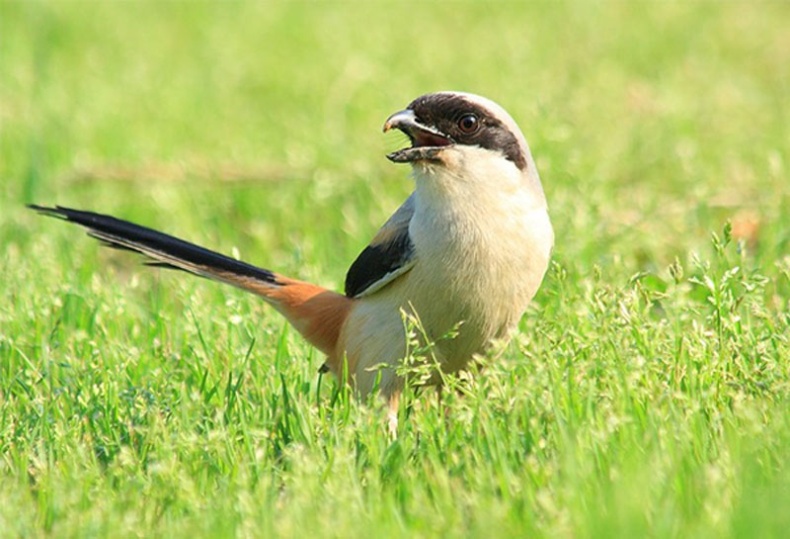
point(645, 395)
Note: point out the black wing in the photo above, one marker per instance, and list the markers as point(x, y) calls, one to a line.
point(389, 255)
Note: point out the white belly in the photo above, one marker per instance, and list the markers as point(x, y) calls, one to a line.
point(482, 240)
point(461, 281)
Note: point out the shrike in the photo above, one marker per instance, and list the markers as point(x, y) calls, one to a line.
point(464, 254)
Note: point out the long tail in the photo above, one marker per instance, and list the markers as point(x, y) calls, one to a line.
point(315, 312)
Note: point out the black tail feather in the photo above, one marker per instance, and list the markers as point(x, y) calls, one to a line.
point(122, 234)
point(165, 265)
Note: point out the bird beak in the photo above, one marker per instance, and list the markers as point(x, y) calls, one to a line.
point(401, 118)
point(426, 142)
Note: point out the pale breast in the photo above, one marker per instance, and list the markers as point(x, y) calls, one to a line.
point(483, 273)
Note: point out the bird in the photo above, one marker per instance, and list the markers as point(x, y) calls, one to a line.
point(464, 255)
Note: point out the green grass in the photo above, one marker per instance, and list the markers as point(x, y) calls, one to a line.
point(646, 394)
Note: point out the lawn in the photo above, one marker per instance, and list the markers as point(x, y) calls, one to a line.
point(645, 395)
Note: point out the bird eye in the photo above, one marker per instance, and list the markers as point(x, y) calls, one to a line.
point(468, 123)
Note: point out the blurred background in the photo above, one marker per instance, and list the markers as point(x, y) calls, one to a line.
point(258, 125)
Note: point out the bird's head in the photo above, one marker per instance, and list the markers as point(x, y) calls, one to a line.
point(443, 123)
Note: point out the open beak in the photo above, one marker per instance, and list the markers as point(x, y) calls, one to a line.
point(426, 142)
